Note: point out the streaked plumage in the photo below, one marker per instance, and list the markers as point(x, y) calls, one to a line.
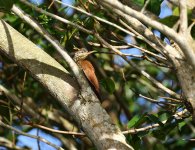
point(87, 67)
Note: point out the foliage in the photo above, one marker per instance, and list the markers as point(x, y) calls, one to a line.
point(6, 5)
point(121, 84)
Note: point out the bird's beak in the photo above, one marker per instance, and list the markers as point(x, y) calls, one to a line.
point(88, 53)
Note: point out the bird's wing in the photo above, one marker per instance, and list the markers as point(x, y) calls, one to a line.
point(89, 71)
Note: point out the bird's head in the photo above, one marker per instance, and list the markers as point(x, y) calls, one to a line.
point(81, 54)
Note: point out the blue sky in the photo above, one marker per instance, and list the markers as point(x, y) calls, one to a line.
point(68, 11)
point(27, 141)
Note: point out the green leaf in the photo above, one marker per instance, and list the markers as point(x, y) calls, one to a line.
point(4, 112)
point(154, 119)
point(108, 84)
point(155, 6)
point(169, 126)
point(159, 134)
point(181, 124)
point(135, 142)
point(193, 32)
point(143, 133)
point(159, 146)
point(176, 11)
point(164, 115)
point(138, 2)
point(133, 121)
point(169, 21)
point(6, 5)
point(142, 120)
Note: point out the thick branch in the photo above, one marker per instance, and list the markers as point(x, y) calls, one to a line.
point(62, 86)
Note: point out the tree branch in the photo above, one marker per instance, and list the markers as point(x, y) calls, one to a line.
point(63, 87)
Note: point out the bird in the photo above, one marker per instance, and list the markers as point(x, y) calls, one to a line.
point(88, 69)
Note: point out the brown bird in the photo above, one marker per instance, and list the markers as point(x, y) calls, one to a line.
point(87, 67)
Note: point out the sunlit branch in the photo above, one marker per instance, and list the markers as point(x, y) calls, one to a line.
point(129, 11)
point(157, 101)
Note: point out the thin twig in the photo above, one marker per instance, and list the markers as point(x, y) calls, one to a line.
point(145, 5)
point(171, 99)
point(96, 17)
point(142, 32)
point(129, 45)
point(58, 131)
point(56, 17)
point(156, 101)
point(123, 54)
point(16, 100)
point(29, 135)
point(161, 58)
point(178, 115)
point(154, 81)
point(155, 62)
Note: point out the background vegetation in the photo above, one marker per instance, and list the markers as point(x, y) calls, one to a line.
point(130, 98)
